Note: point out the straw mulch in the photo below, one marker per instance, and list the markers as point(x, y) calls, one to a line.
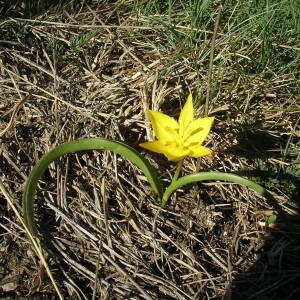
point(103, 233)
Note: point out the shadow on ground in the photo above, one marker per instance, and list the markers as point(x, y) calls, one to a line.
point(276, 272)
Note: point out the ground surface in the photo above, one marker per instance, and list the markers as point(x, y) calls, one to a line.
point(92, 70)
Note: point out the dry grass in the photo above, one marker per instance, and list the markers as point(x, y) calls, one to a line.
point(104, 236)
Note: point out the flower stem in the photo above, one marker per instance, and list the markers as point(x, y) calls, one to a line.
point(177, 172)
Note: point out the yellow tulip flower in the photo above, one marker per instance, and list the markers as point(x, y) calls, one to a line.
point(177, 140)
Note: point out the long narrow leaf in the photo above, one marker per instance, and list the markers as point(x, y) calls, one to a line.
point(77, 146)
point(204, 176)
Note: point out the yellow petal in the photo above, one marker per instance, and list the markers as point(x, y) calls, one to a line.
point(154, 146)
point(165, 127)
point(186, 115)
point(173, 153)
point(176, 157)
point(197, 131)
point(199, 151)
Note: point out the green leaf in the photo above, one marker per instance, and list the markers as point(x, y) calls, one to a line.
point(271, 219)
point(77, 146)
point(204, 176)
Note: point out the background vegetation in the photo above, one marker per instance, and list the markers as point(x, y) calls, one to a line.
point(93, 68)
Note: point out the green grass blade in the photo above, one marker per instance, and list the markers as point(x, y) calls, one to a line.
point(204, 176)
point(77, 146)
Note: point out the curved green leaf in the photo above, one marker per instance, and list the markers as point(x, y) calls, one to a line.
point(77, 146)
point(203, 176)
